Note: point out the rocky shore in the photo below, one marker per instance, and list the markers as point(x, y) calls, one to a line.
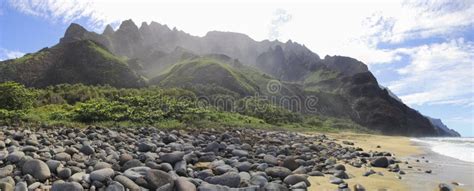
point(115, 159)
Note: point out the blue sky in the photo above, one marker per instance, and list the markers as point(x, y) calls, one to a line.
point(422, 50)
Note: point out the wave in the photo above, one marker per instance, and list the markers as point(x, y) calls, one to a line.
point(461, 148)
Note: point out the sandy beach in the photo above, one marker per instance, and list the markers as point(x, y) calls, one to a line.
point(444, 169)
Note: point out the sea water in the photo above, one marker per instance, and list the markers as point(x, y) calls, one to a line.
point(461, 148)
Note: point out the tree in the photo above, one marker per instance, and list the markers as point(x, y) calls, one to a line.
point(15, 96)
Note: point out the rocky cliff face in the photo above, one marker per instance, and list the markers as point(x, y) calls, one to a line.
point(442, 128)
point(344, 85)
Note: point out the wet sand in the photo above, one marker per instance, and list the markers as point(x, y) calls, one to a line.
point(444, 169)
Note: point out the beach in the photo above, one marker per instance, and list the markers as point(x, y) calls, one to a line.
point(444, 170)
point(417, 155)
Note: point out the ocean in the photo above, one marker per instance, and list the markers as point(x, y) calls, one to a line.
point(461, 148)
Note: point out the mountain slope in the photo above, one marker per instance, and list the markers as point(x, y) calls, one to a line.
point(234, 64)
point(82, 61)
point(209, 73)
point(442, 128)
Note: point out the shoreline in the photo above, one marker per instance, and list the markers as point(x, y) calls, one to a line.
point(398, 146)
point(444, 169)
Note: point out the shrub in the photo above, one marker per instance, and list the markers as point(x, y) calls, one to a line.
point(270, 113)
point(100, 110)
point(142, 109)
point(14, 96)
point(11, 116)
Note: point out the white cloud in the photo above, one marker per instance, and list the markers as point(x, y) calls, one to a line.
point(281, 17)
point(9, 54)
point(421, 19)
point(440, 73)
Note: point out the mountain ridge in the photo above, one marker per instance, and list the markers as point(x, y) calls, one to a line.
point(344, 85)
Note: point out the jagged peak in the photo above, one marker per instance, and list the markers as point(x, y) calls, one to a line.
point(155, 26)
point(108, 30)
point(128, 25)
point(144, 28)
point(73, 32)
point(74, 29)
point(225, 33)
point(144, 25)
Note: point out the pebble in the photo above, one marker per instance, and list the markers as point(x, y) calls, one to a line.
point(115, 186)
point(127, 183)
point(62, 157)
point(101, 175)
point(158, 178)
point(145, 158)
point(296, 178)
point(278, 172)
point(172, 157)
point(335, 180)
point(21, 186)
point(15, 156)
point(64, 173)
point(444, 187)
point(231, 179)
point(182, 184)
point(359, 187)
point(69, 186)
point(380, 162)
point(87, 150)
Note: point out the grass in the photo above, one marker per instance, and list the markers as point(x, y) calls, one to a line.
point(105, 53)
point(31, 57)
point(208, 71)
point(312, 81)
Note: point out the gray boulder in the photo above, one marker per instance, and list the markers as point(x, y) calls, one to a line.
point(37, 169)
point(231, 179)
point(102, 174)
point(69, 186)
point(158, 178)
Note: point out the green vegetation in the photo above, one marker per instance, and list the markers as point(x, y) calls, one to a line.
point(208, 72)
point(320, 80)
point(81, 105)
point(104, 53)
point(14, 96)
point(77, 62)
point(14, 100)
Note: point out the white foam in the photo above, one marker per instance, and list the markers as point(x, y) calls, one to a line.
point(461, 148)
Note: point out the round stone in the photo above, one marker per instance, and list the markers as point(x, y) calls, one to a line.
point(37, 169)
point(69, 186)
point(102, 174)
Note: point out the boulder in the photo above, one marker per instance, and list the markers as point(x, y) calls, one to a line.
point(36, 168)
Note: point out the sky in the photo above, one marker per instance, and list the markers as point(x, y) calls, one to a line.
point(423, 51)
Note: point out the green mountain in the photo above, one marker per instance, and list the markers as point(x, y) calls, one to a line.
point(221, 63)
point(207, 72)
point(82, 61)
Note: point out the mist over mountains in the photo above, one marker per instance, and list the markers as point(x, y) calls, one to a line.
point(220, 63)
